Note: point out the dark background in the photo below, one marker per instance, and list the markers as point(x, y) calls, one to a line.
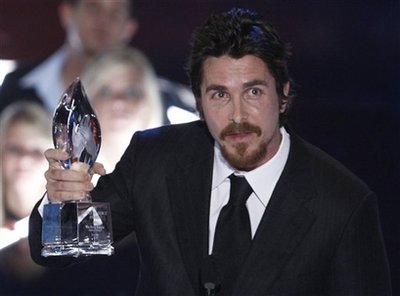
point(346, 65)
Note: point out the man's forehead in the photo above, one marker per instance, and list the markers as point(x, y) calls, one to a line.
point(245, 69)
point(226, 62)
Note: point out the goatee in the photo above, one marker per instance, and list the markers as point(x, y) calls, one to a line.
point(241, 159)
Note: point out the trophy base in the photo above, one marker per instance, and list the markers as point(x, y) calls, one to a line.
point(76, 251)
point(77, 229)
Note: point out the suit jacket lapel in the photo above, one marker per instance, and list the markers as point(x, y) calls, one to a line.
point(284, 224)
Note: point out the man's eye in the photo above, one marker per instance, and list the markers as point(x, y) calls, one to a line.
point(220, 95)
point(254, 93)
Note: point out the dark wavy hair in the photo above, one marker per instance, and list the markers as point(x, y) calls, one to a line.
point(239, 32)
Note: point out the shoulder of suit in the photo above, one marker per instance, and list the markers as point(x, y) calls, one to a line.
point(327, 171)
point(175, 130)
point(21, 71)
point(176, 137)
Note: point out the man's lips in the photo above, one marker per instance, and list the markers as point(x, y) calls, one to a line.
point(239, 136)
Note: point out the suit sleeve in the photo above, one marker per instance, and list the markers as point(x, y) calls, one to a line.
point(360, 265)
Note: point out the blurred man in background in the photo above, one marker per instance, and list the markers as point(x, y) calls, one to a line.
point(91, 26)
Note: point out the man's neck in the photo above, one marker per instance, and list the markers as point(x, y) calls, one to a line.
point(73, 66)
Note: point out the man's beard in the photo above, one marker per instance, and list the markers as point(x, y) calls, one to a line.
point(239, 159)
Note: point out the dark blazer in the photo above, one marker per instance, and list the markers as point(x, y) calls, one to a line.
point(11, 90)
point(320, 234)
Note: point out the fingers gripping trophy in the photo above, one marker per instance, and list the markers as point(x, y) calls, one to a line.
point(77, 228)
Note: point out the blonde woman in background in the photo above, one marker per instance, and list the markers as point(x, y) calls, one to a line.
point(24, 136)
point(123, 90)
point(25, 133)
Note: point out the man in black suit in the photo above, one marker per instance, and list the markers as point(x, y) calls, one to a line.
point(312, 226)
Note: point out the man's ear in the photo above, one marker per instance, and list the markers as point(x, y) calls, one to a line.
point(130, 29)
point(285, 99)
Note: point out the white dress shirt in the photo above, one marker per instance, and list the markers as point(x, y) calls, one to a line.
point(262, 180)
point(46, 79)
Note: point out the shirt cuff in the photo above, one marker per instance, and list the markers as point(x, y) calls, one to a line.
point(44, 201)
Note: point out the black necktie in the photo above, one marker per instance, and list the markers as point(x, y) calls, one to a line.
point(232, 234)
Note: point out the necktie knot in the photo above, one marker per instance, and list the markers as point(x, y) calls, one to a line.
point(240, 190)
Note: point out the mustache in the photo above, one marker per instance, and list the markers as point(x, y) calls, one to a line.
point(239, 128)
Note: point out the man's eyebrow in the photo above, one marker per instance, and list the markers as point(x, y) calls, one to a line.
point(215, 87)
point(255, 82)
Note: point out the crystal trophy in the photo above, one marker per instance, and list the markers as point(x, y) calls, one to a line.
point(77, 228)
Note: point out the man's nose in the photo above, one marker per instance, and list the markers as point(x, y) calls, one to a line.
point(239, 113)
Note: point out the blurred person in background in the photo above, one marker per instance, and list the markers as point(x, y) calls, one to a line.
point(91, 26)
point(24, 135)
point(25, 132)
point(122, 87)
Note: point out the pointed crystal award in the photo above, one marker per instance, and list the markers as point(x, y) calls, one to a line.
point(77, 228)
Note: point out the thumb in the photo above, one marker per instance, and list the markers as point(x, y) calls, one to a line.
point(98, 168)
